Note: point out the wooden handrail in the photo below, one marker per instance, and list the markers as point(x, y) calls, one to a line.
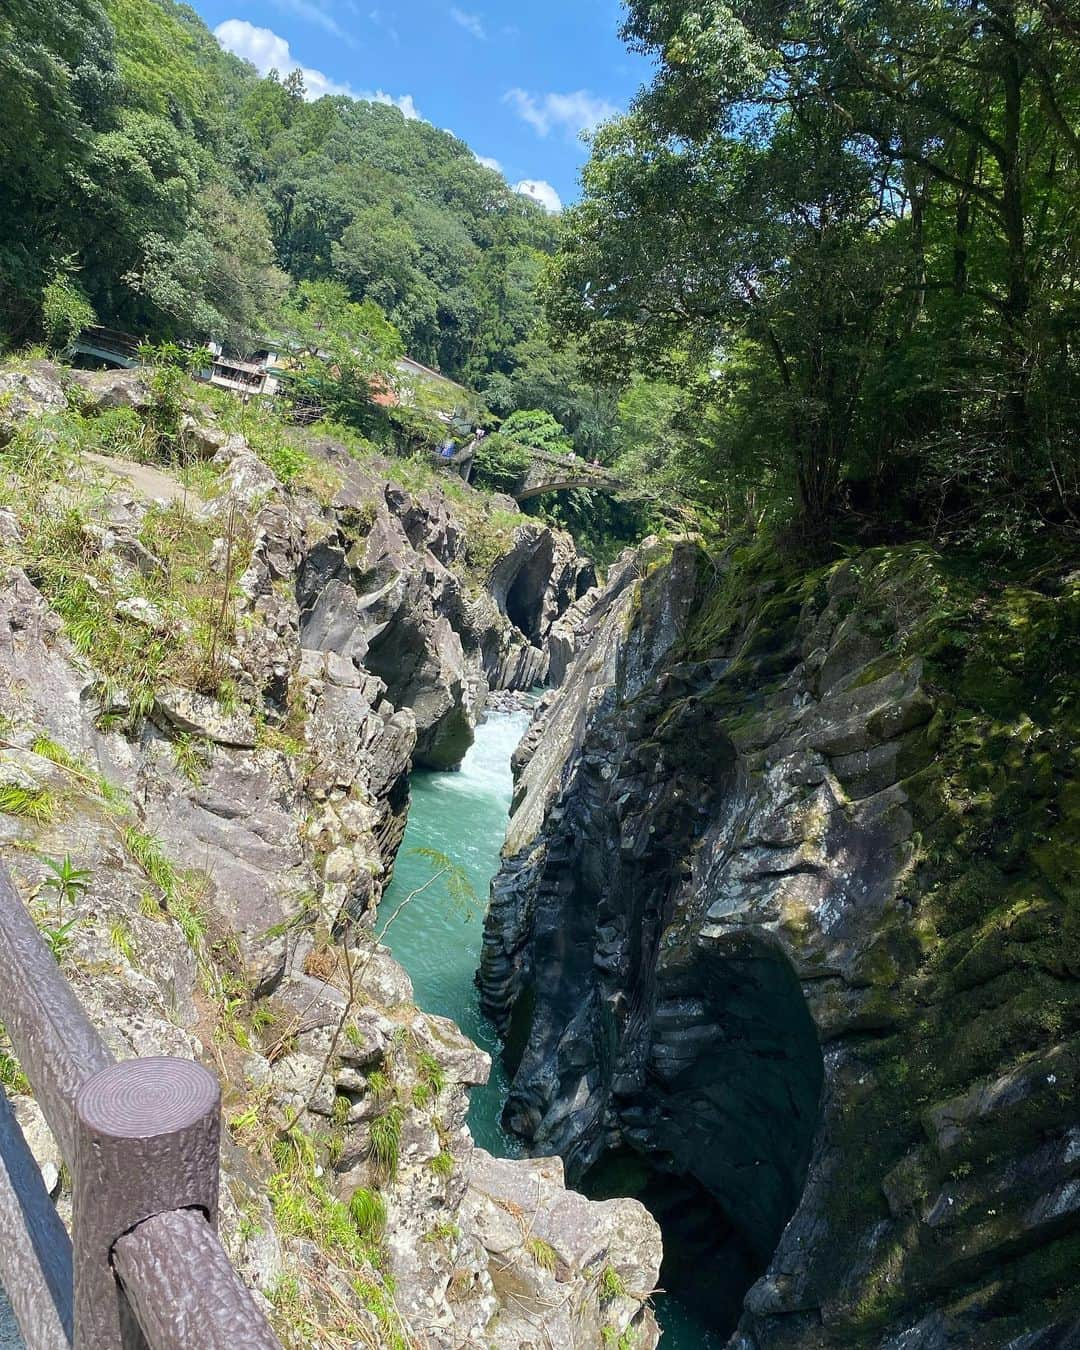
point(35, 1250)
point(57, 1045)
point(154, 1263)
point(142, 1141)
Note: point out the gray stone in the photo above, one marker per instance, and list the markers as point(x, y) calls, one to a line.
point(103, 389)
point(142, 611)
point(198, 715)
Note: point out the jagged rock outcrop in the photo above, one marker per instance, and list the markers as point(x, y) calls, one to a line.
point(789, 914)
point(226, 830)
point(389, 587)
point(28, 393)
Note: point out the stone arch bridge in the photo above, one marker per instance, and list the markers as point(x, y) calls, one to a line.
point(560, 473)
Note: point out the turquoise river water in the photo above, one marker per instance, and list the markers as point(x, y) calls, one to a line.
point(464, 815)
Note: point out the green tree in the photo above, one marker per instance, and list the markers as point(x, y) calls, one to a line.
point(65, 312)
point(858, 220)
point(58, 81)
point(346, 352)
point(684, 248)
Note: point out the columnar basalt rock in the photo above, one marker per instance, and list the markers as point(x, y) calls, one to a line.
point(766, 921)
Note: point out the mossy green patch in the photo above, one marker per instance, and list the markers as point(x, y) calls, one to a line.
point(978, 973)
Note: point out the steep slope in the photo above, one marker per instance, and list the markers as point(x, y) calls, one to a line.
point(191, 732)
point(789, 914)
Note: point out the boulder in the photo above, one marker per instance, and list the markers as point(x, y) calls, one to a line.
point(198, 715)
point(28, 393)
point(104, 389)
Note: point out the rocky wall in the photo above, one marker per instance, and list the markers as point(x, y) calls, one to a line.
point(789, 912)
point(223, 848)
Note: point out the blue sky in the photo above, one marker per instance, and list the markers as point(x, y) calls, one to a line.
point(517, 82)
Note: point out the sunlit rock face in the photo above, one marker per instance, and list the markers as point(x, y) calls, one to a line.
point(221, 844)
point(390, 584)
point(755, 899)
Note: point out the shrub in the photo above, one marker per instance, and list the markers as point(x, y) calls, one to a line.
point(65, 312)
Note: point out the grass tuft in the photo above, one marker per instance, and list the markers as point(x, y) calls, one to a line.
point(543, 1253)
point(384, 1145)
point(36, 804)
point(611, 1285)
point(367, 1210)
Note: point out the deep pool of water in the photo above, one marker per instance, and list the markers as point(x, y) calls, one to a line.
point(463, 815)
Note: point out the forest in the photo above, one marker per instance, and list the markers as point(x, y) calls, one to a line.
point(153, 183)
point(856, 226)
point(823, 271)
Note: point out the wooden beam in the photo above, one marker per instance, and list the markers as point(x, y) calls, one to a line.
point(35, 1250)
point(182, 1289)
point(56, 1044)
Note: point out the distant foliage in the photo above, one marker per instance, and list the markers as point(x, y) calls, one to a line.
point(191, 193)
point(151, 179)
point(503, 458)
point(65, 312)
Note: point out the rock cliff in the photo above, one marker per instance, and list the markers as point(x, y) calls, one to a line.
point(212, 689)
point(788, 933)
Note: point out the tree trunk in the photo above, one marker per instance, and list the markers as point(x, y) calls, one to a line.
point(1017, 285)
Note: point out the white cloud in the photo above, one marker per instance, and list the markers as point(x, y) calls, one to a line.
point(312, 12)
point(267, 51)
point(472, 23)
point(541, 192)
point(572, 113)
point(489, 163)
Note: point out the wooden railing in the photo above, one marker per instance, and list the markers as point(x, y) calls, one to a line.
point(141, 1140)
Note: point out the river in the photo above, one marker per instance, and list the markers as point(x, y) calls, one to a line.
point(9, 1332)
point(463, 815)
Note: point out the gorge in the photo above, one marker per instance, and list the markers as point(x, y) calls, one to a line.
point(780, 947)
point(192, 733)
point(776, 808)
point(548, 664)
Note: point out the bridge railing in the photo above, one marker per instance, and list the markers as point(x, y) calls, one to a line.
point(141, 1138)
point(108, 344)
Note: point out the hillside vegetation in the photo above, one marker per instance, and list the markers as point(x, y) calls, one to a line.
point(852, 229)
point(822, 274)
point(154, 183)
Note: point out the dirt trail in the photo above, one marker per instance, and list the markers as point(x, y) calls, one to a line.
point(153, 484)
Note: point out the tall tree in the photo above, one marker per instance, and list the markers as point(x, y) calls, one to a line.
point(874, 204)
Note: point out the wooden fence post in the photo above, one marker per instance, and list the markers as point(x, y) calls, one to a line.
point(147, 1140)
